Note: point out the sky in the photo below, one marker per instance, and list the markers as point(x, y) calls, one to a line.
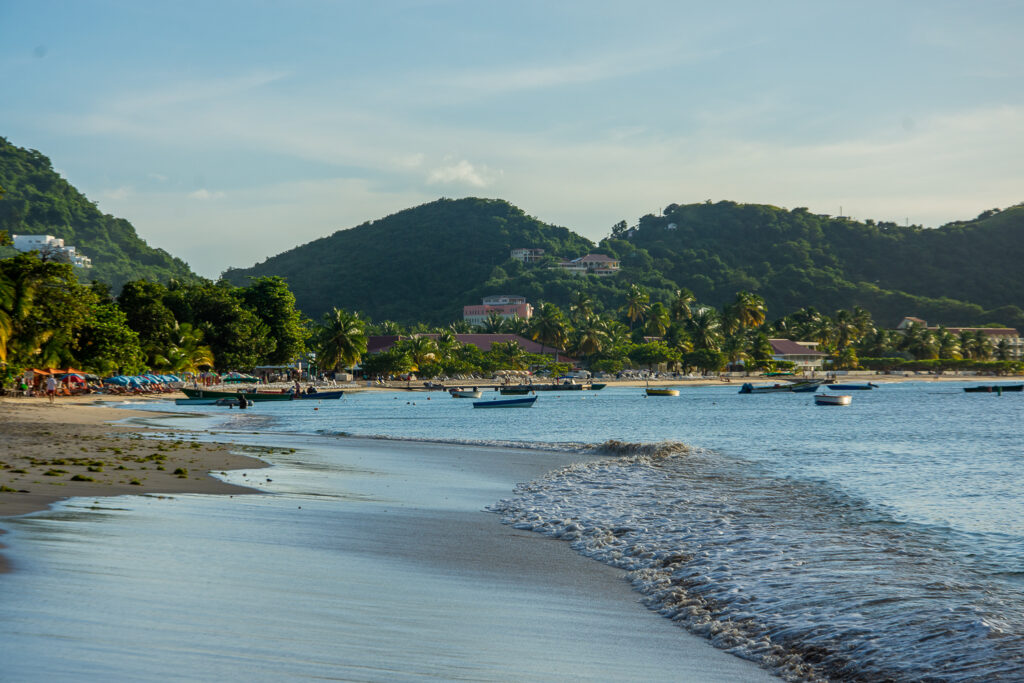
point(227, 132)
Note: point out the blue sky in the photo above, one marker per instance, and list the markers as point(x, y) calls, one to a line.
point(227, 132)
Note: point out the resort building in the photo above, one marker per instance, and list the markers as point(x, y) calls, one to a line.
point(804, 355)
point(591, 264)
point(51, 248)
point(526, 255)
point(505, 305)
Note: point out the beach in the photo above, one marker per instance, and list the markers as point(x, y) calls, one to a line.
point(354, 559)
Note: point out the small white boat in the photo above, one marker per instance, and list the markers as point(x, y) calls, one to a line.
point(465, 393)
point(833, 399)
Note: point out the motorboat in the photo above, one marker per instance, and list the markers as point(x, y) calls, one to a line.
point(833, 399)
point(662, 392)
point(506, 403)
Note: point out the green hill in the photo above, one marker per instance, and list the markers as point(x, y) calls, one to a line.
point(961, 273)
point(417, 264)
point(425, 263)
point(38, 201)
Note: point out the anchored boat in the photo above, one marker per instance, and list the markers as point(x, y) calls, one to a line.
point(506, 403)
point(832, 399)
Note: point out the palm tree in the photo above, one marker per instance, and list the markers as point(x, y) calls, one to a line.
point(949, 345)
point(845, 330)
point(6, 322)
point(389, 328)
point(637, 303)
point(590, 338)
point(342, 339)
point(548, 327)
point(188, 353)
point(1003, 350)
point(735, 347)
point(581, 305)
point(510, 354)
point(495, 323)
point(705, 328)
point(657, 320)
point(682, 305)
point(749, 310)
point(421, 350)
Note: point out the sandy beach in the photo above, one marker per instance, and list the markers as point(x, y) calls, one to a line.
point(394, 569)
point(71, 449)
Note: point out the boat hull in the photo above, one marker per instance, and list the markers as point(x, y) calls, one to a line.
point(506, 403)
point(249, 395)
point(852, 387)
point(474, 393)
point(994, 388)
point(832, 399)
point(662, 392)
point(320, 396)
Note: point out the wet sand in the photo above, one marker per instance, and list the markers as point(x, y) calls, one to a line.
point(364, 560)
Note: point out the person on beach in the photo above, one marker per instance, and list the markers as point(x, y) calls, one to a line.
point(51, 387)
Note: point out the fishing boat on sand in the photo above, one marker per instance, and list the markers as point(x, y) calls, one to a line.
point(506, 403)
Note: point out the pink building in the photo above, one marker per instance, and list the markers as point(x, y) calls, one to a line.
point(505, 305)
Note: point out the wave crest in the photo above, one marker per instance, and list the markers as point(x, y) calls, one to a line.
point(660, 449)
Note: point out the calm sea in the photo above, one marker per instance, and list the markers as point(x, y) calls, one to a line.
point(880, 540)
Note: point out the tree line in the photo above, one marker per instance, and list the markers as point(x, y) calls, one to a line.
point(50, 320)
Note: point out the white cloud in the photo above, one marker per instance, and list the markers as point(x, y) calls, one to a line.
point(205, 195)
point(118, 194)
point(460, 173)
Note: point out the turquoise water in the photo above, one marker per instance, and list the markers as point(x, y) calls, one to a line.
point(877, 541)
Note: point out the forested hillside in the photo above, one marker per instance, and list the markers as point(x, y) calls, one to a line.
point(39, 201)
point(957, 274)
point(416, 265)
point(425, 263)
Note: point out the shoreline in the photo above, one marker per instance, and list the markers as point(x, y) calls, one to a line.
point(398, 541)
point(80, 448)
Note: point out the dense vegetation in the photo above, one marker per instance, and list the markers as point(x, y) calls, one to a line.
point(37, 200)
point(424, 263)
point(417, 264)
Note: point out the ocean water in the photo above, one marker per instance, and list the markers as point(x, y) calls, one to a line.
point(883, 540)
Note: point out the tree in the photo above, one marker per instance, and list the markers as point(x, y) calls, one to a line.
point(548, 327)
point(682, 303)
point(187, 353)
point(420, 350)
point(705, 328)
point(394, 361)
point(340, 340)
point(581, 305)
point(145, 312)
point(708, 361)
point(105, 344)
point(495, 323)
point(657, 320)
point(590, 338)
point(637, 303)
point(273, 303)
point(508, 355)
point(747, 311)
point(238, 339)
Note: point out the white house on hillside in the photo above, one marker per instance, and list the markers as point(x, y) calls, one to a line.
point(51, 247)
